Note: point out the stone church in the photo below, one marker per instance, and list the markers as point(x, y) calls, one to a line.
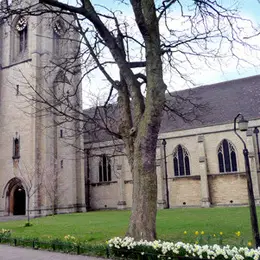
point(41, 171)
point(200, 160)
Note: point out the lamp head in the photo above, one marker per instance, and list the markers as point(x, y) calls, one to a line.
point(163, 142)
point(243, 124)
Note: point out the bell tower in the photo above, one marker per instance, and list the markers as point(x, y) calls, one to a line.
point(33, 151)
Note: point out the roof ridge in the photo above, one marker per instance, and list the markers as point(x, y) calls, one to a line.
point(221, 83)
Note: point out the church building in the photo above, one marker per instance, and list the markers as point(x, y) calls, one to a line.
point(200, 160)
point(41, 168)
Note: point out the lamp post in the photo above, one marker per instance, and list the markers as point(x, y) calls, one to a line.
point(166, 174)
point(243, 126)
point(256, 132)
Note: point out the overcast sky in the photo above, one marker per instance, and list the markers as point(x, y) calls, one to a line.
point(249, 9)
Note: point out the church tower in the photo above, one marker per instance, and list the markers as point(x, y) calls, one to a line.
point(41, 162)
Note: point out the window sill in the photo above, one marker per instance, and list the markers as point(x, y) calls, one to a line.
point(104, 183)
point(192, 177)
point(227, 173)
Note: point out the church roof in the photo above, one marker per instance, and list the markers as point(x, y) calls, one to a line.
point(207, 105)
point(222, 102)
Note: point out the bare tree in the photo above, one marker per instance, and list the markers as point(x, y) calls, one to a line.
point(32, 178)
point(151, 38)
point(53, 185)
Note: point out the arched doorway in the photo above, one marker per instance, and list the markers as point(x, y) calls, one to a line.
point(15, 197)
point(19, 201)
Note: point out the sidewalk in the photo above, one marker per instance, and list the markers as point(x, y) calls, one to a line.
point(11, 218)
point(18, 253)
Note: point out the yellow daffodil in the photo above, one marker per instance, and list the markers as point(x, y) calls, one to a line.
point(221, 233)
point(185, 232)
point(249, 244)
point(238, 233)
point(214, 235)
point(202, 232)
point(196, 233)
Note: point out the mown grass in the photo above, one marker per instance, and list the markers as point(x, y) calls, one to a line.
point(99, 226)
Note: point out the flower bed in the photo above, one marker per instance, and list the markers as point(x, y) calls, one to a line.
point(128, 248)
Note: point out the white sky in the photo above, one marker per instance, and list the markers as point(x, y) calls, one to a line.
point(96, 86)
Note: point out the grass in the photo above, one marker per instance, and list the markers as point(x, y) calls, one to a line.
point(99, 226)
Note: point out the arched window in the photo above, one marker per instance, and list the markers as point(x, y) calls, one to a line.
point(16, 147)
point(181, 161)
point(104, 169)
point(227, 160)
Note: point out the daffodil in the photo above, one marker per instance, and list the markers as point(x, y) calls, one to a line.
point(249, 243)
point(238, 233)
point(221, 233)
point(202, 232)
point(185, 232)
point(197, 233)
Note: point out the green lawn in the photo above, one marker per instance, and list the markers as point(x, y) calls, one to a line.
point(99, 226)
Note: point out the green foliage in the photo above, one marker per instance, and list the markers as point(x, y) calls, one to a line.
point(28, 224)
point(5, 233)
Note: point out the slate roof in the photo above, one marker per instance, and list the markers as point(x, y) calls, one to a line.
point(208, 105)
point(223, 102)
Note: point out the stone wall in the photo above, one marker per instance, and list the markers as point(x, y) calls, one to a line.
point(228, 189)
point(40, 144)
point(206, 186)
point(185, 192)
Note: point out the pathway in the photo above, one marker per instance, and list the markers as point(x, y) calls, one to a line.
point(18, 253)
point(11, 218)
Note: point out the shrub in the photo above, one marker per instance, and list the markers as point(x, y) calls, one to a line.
point(28, 224)
point(4, 233)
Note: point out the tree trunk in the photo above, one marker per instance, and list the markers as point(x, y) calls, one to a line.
point(28, 210)
point(143, 218)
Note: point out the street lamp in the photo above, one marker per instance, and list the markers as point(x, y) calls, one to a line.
point(243, 126)
point(166, 174)
point(256, 132)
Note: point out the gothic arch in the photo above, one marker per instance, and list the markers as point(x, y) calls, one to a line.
point(14, 193)
point(181, 161)
point(227, 156)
